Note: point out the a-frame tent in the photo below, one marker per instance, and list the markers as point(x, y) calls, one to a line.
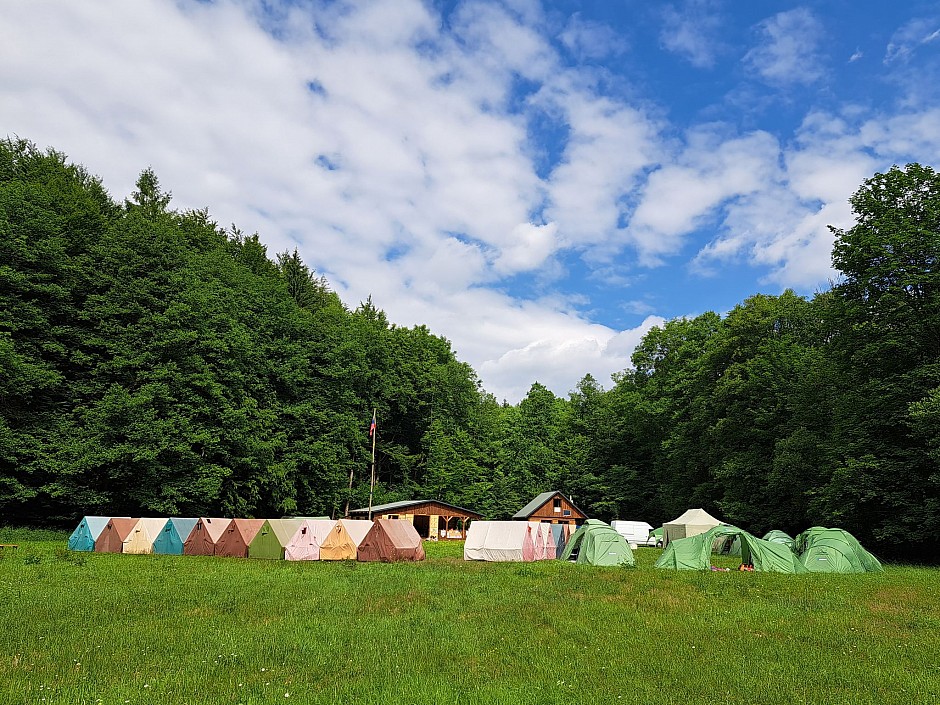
point(142, 536)
point(173, 536)
point(237, 536)
point(597, 543)
point(204, 536)
point(272, 538)
point(391, 540)
point(499, 541)
point(112, 536)
point(342, 543)
point(305, 543)
point(86, 533)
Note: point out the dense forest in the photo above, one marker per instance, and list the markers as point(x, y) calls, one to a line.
point(153, 363)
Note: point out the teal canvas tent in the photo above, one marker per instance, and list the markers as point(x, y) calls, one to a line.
point(597, 543)
point(694, 553)
point(823, 550)
point(173, 536)
point(86, 533)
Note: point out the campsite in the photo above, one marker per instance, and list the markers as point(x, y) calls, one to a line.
point(167, 629)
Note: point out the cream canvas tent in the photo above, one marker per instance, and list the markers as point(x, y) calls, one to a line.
point(691, 523)
point(142, 536)
point(305, 544)
point(344, 539)
point(499, 541)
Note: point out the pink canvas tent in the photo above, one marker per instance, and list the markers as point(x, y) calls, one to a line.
point(306, 541)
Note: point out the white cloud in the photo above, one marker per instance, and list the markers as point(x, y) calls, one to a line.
point(591, 40)
point(692, 32)
point(910, 37)
point(787, 53)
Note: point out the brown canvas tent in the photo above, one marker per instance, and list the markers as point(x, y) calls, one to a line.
point(391, 540)
point(202, 539)
point(111, 539)
point(343, 540)
point(237, 536)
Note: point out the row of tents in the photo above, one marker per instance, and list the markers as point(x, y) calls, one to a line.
point(289, 539)
point(593, 543)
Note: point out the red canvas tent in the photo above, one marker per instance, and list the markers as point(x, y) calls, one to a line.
point(391, 540)
point(202, 539)
point(237, 537)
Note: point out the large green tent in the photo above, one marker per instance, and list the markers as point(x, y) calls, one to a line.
point(823, 550)
point(694, 552)
point(597, 543)
point(777, 536)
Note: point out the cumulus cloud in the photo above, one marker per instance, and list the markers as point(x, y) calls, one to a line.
point(591, 40)
point(788, 50)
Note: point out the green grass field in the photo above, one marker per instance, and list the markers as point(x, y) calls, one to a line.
point(92, 628)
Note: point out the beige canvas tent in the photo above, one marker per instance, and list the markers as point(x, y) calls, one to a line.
point(691, 523)
point(142, 536)
point(343, 540)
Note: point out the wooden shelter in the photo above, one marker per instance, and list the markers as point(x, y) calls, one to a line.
point(551, 508)
point(431, 518)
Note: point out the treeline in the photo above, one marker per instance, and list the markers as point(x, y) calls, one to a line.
point(152, 363)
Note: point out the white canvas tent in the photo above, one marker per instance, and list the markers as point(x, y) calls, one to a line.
point(500, 541)
point(305, 543)
point(635, 532)
point(691, 523)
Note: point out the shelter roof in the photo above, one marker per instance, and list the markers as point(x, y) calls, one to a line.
point(391, 506)
point(540, 501)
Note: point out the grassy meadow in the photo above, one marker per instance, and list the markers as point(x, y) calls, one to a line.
point(90, 628)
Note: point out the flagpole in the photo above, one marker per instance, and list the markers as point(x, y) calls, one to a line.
point(375, 432)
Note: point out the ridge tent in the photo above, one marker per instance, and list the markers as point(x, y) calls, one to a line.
point(111, 538)
point(86, 533)
point(538, 539)
point(694, 552)
point(559, 538)
point(777, 536)
point(391, 540)
point(305, 543)
point(690, 523)
point(825, 550)
point(344, 539)
point(144, 533)
point(551, 549)
point(237, 536)
point(597, 543)
point(204, 536)
point(499, 541)
point(272, 538)
point(171, 537)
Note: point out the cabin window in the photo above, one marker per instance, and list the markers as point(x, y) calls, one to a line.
point(556, 505)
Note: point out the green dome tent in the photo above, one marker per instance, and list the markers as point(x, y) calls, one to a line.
point(823, 550)
point(777, 536)
point(694, 553)
point(597, 543)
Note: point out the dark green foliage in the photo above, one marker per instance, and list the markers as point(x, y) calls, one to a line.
point(152, 363)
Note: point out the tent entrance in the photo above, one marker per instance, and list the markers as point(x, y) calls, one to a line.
point(422, 524)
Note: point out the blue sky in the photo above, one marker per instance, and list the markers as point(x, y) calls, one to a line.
point(538, 182)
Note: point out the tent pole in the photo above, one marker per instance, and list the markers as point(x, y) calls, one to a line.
point(375, 432)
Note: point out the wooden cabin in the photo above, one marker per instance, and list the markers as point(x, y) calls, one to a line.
point(552, 508)
point(432, 519)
